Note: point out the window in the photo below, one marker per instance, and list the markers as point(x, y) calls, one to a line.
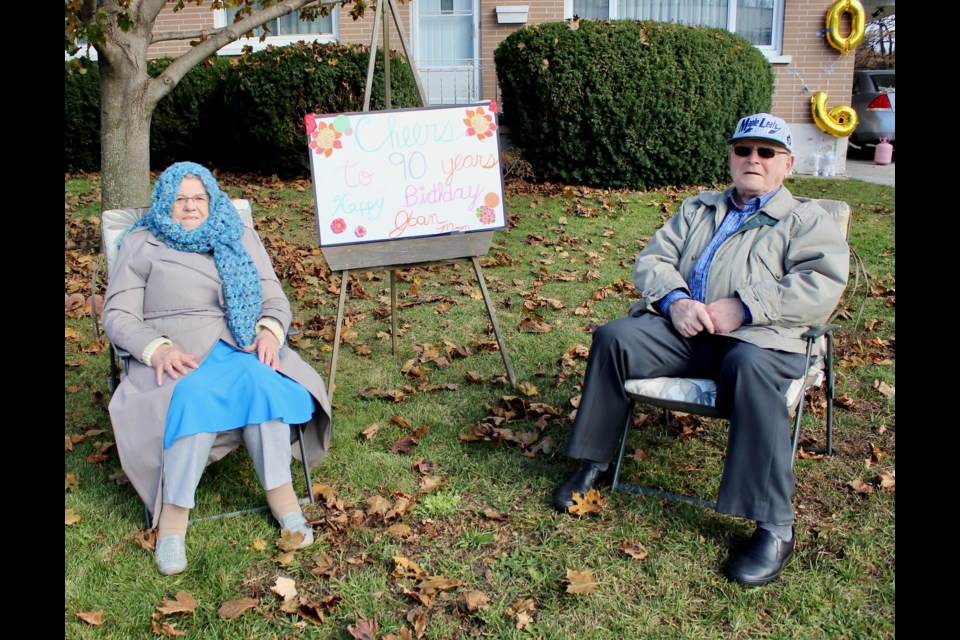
point(759, 21)
point(284, 30)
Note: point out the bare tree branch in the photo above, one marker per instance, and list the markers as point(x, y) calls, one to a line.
point(164, 36)
point(164, 83)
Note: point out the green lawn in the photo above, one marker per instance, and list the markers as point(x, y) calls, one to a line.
point(475, 512)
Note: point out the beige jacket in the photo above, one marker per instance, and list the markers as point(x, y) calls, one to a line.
point(788, 263)
point(158, 291)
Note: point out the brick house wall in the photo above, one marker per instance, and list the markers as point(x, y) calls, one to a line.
point(813, 61)
point(807, 63)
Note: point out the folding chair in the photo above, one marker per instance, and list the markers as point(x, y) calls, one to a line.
point(113, 223)
point(698, 396)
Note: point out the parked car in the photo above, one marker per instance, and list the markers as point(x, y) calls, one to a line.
point(875, 101)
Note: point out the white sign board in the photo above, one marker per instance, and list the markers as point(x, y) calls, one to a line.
point(390, 175)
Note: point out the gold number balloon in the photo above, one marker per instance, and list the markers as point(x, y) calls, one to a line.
point(857, 25)
point(839, 121)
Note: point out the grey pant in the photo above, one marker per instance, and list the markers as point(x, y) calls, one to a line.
point(751, 382)
point(267, 443)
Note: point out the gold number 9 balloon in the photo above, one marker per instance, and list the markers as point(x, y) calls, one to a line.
point(839, 121)
point(857, 25)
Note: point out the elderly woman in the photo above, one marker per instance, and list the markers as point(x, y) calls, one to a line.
point(195, 298)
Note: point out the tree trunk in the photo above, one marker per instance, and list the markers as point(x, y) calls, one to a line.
point(126, 109)
point(124, 139)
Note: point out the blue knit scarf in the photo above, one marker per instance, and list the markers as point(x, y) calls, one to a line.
point(220, 233)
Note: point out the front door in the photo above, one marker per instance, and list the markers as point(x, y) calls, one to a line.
point(446, 48)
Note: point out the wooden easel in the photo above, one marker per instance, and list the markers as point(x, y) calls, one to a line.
point(405, 253)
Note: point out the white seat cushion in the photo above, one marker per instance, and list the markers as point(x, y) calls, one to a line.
point(698, 395)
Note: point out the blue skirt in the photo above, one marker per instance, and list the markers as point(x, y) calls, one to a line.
point(230, 390)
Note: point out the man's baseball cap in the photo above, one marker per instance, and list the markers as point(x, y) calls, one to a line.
point(764, 126)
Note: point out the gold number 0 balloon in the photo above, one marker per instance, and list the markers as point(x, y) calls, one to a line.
point(839, 121)
point(857, 25)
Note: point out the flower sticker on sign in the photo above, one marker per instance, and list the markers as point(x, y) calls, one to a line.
point(324, 139)
point(479, 123)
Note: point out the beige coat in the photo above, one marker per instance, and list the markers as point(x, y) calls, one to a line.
point(788, 264)
point(158, 291)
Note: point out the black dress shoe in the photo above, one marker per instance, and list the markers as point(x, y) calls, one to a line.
point(587, 476)
point(762, 560)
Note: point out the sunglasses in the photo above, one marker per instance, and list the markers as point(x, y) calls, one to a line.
point(744, 151)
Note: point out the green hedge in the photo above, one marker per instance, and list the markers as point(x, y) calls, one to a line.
point(81, 118)
point(242, 113)
point(269, 93)
point(629, 104)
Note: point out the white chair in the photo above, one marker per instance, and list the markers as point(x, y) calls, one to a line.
point(698, 396)
point(113, 223)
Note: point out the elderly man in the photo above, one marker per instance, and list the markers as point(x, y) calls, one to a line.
point(727, 286)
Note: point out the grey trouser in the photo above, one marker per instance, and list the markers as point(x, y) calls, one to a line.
point(267, 443)
point(751, 382)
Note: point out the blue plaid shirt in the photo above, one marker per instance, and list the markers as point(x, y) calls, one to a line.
point(698, 279)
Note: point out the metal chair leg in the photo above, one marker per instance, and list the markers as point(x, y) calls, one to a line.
point(306, 462)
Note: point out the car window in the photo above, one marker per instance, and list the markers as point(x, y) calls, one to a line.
point(884, 81)
point(856, 86)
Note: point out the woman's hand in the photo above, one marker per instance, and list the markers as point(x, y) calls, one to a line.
point(171, 361)
point(267, 348)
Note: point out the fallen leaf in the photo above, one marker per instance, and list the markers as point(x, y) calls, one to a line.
point(887, 481)
point(635, 550)
point(406, 444)
point(70, 517)
point(860, 486)
point(399, 531)
point(285, 558)
point(365, 629)
point(259, 545)
point(311, 612)
point(581, 582)
point(119, 477)
point(401, 421)
point(233, 609)
point(370, 431)
point(290, 540)
point(473, 600)
point(403, 504)
point(429, 483)
point(404, 568)
point(91, 617)
point(284, 587)
point(146, 539)
point(886, 390)
point(493, 515)
point(593, 502)
point(377, 505)
point(527, 389)
point(418, 618)
point(844, 400)
point(182, 603)
point(167, 629)
point(70, 482)
point(522, 613)
point(326, 565)
point(424, 466)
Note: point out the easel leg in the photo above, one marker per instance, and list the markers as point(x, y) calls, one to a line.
point(344, 279)
point(493, 321)
point(393, 310)
point(373, 57)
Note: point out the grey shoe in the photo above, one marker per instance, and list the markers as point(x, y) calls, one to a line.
point(294, 521)
point(171, 555)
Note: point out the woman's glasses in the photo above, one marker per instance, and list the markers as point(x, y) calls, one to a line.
point(744, 151)
point(198, 201)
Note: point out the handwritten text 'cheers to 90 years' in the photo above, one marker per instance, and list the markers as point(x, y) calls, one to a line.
point(413, 166)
